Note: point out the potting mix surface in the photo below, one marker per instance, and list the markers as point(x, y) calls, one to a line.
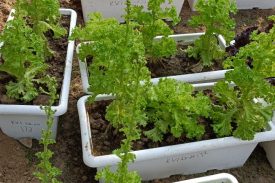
point(17, 162)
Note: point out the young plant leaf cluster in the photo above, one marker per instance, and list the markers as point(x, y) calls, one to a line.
point(26, 64)
point(25, 47)
point(46, 172)
point(117, 55)
point(151, 24)
point(248, 106)
point(215, 16)
point(261, 51)
point(42, 16)
point(173, 108)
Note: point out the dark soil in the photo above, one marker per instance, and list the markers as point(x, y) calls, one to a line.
point(56, 67)
point(271, 80)
point(106, 138)
point(179, 64)
point(67, 150)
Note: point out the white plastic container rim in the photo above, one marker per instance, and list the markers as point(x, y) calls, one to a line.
point(191, 78)
point(160, 152)
point(64, 95)
point(218, 178)
point(115, 9)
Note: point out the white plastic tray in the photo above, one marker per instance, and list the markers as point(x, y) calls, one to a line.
point(191, 78)
point(20, 121)
point(189, 158)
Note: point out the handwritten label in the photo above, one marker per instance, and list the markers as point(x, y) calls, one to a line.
point(25, 127)
point(178, 159)
point(122, 2)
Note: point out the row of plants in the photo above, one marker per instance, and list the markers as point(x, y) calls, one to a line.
point(242, 104)
point(25, 59)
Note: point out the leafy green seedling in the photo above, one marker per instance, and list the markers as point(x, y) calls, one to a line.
point(239, 110)
point(23, 58)
point(151, 24)
point(46, 172)
point(42, 16)
point(172, 108)
point(260, 51)
point(215, 16)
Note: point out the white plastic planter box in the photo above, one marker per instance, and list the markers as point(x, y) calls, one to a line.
point(115, 8)
point(245, 4)
point(218, 178)
point(20, 121)
point(191, 78)
point(189, 158)
point(269, 148)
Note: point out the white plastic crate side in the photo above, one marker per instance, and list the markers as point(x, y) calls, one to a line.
point(191, 163)
point(20, 126)
point(115, 8)
point(189, 158)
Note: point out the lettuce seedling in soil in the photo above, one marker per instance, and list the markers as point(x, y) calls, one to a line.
point(151, 24)
point(42, 16)
point(215, 16)
point(23, 57)
point(259, 53)
point(46, 172)
point(240, 110)
point(172, 108)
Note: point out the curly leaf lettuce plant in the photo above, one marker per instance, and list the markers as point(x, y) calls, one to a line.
point(42, 16)
point(261, 51)
point(118, 66)
point(46, 172)
point(245, 109)
point(215, 16)
point(23, 58)
point(117, 55)
point(151, 24)
point(172, 108)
